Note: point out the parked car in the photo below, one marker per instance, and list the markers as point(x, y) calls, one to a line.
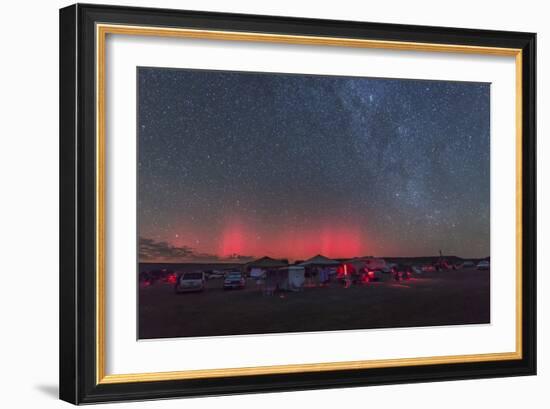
point(170, 278)
point(483, 265)
point(234, 279)
point(402, 272)
point(216, 274)
point(389, 267)
point(416, 269)
point(468, 264)
point(144, 279)
point(428, 268)
point(188, 282)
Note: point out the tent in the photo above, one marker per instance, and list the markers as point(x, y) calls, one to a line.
point(319, 260)
point(270, 268)
point(319, 269)
point(266, 263)
point(290, 278)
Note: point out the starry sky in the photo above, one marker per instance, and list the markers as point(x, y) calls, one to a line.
point(237, 165)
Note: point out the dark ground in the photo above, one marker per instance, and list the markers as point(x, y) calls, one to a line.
point(439, 298)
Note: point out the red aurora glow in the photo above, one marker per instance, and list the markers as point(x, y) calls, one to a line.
point(236, 238)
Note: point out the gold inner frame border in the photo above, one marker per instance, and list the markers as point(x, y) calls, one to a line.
point(102, 30)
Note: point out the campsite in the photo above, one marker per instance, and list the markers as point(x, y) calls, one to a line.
point(454, 296)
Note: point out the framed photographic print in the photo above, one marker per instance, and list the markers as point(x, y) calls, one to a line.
point(256, 203)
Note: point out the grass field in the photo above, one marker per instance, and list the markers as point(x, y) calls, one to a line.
point(431, 299)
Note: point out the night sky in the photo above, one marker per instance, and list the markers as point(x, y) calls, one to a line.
point(236, 165)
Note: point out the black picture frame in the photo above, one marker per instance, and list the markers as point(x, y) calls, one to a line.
point(78, 318)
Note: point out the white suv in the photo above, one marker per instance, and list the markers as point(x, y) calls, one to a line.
point(483, 265)
point(188, 282)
